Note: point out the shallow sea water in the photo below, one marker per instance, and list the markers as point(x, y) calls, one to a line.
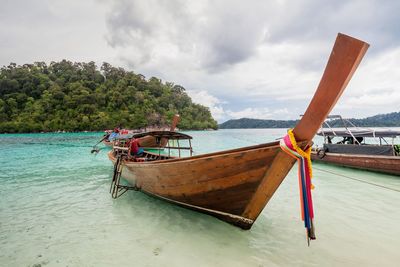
point(55, 210)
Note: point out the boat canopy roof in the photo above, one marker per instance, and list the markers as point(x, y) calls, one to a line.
point(164, 134)
point(359, 133)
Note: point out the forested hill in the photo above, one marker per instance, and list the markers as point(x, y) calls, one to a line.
point(256, 123)
point(80, 96)
point(382, 120)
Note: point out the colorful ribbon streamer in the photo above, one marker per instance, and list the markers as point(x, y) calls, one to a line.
point(289, 145)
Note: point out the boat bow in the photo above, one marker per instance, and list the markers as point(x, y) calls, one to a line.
point(345, 57)
point(235, 185)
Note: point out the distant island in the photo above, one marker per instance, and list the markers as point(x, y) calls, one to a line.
point(78, 96)
point(381, 120)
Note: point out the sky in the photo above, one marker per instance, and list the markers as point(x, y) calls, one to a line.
point(253, 59)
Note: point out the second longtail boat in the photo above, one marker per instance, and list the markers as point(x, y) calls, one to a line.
point(361, 148)
point(145, 140)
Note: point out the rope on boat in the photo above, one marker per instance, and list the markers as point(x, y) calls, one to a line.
point(95, 149)
point(358, 180)
point(289, 145)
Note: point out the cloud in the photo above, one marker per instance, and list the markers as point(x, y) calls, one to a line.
point(217, 34)
point(210, 101)
point(247, 52)
point(375, 88)
point(218, 111)
point(254, 57)
point(258, 113)
point(53, 30)
point(206, 33)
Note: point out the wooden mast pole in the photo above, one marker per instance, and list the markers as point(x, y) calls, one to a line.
point(175, 121)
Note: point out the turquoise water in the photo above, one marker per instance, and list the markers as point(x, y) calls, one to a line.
point(55, 210)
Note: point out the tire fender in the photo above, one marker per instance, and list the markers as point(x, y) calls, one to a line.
point(321, 153)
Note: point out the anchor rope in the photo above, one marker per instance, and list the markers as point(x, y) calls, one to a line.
point(289, 145)
point(358, 180)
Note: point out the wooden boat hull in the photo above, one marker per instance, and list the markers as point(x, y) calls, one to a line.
point(220, 184)
point(235, 185)
point(376, 163)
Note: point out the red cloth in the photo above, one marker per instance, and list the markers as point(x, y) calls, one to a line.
point(134, 146)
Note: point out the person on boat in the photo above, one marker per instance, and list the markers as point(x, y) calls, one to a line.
point(134, 148)
point(346, 140)
point(114, 134)
point(350, 140)
point(359, 140)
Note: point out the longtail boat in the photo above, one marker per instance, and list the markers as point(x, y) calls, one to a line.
point(235, 185)
point(151, 141)
point(361, 148)
point(147, 141)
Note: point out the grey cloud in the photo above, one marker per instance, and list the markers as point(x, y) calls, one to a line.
point(12, 13)
point(218, 35)
point(318, 20)
point(232, 33)
point(51, 30)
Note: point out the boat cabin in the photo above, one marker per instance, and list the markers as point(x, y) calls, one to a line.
point(177, 145)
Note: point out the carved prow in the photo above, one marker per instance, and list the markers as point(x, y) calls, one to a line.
point(175, 121)
point(343, 61)
point(345, 57)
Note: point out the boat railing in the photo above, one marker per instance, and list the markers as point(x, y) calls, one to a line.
point(357, 134)
point(336, 117)
point(174, 145)
point(345, 123)
point(121, 147)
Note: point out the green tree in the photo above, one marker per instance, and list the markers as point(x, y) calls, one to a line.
point(78, 96)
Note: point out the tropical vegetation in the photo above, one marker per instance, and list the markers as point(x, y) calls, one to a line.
point(79, 96)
